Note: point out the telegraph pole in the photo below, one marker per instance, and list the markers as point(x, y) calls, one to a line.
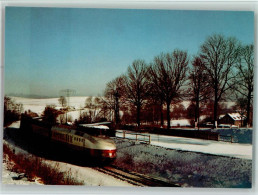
point(67, 93)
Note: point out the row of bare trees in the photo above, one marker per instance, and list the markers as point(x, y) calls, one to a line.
point(223, 70)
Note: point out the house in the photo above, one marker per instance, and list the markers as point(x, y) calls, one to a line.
point(232, 119)
point(31, 114)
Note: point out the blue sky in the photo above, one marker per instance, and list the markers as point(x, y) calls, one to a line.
point(50, 49)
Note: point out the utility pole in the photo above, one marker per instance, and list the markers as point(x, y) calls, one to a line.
point(67, 93)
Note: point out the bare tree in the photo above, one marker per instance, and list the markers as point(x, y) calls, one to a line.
point(245, 78)
point(113, 95)
point(219, 55)
point(62, 100)
point(12, 110)
point(93, 104)
point(168, 74)
point(199, 85)
point(136, 86)
point(50, 114)
point(155, 96)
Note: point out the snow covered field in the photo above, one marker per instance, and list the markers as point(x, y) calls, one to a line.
point(38, 106)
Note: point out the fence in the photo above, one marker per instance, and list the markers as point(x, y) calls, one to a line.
point(200, 134)
point(137, 136)
point(226, 138)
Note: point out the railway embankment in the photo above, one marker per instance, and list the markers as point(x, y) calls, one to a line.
point(33, 168)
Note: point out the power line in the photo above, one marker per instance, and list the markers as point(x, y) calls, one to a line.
point(67, 93)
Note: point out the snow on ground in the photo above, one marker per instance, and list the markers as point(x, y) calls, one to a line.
point(35, 105)
point(38, 105)
point(198, 145)
point(89, 176)
point(9, 177)
point(188, 169)
point(179, 122)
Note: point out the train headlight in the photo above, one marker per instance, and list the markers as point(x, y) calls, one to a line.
point(109, 153)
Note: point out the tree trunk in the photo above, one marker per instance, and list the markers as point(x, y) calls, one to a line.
point(247, 122)
point(197, 114)
point(161, 115)
point(215, 109)
point(168, 114)
point(138, 119)
point(117, 118)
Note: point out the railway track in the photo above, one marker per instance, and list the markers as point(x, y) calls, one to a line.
point(133, 178)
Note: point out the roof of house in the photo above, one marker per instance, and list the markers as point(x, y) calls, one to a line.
point(236, 116)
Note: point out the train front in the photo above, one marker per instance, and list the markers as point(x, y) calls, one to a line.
point(104, 148)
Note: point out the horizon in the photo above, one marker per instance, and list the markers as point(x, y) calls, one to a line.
point(51, 49)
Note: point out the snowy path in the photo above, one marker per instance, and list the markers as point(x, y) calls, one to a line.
point(198, 145)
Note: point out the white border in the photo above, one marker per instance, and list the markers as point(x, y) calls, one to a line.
point(236, 5)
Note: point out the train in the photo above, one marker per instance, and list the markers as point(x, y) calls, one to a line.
point(83, 139)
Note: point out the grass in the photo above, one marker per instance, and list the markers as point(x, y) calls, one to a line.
point(34, 167)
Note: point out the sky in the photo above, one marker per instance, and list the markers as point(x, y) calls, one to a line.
point(51, 49)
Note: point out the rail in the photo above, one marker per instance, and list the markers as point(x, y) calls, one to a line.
point(138, 137)
point(134, 178)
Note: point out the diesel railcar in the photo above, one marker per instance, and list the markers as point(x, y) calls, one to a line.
point(97, 146)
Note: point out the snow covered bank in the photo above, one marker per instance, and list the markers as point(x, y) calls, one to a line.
point(87, 175)
point(188, 169)
point(9, 177)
